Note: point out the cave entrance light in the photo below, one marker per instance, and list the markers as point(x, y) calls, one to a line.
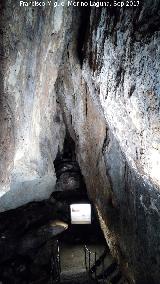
point(80, 213)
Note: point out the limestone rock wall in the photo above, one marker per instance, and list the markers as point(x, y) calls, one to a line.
point(110, 104)
point(96, 73)
point(123, 61)
point(32, 129)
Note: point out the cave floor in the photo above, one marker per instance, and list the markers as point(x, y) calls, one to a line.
point(73, 269)
point(73, 257)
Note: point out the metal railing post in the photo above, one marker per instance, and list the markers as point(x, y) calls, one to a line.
point(95, 259)
point(55, 264)
point(59, 257)
point(85, 257)
point(58, 260)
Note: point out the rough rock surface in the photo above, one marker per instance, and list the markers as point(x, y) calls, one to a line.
point(111, 109)
point(31, 124)
point(96, 73)
point(28, 241)
point(124, 62)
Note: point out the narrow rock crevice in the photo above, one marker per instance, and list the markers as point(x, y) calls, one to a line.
point(79, 119)
point(70, 182)
point(83, 32)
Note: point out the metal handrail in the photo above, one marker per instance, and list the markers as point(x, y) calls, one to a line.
point(92, 269)
point(88, 254)
point(55, 265)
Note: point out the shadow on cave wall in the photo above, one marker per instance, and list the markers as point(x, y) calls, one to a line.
point(132, 216)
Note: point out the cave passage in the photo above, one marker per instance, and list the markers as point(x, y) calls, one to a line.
point(82, 255)
point(44, 242)
point(79, 126)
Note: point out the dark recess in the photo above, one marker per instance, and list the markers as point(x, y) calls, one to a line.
point(82, 32)
point(66, 162)
point(68, 151)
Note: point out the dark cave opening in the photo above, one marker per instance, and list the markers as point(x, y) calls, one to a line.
point(71, 188)
point(69, 177)
point(83, 32)
point(78, 236)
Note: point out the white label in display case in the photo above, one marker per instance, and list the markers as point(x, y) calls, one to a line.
point(80, 213)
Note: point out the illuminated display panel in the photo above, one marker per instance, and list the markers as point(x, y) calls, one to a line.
point(80, 213)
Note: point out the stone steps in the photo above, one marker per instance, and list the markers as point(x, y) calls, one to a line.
point(75, 277)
